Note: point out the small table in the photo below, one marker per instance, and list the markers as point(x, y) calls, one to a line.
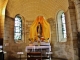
point(20, 53)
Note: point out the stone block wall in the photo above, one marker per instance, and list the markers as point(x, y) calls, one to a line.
point(10, 46)
point(60, 50)
point(74, 14)
point(46, 8)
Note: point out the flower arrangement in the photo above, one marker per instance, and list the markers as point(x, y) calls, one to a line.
point(42, 39)
point(30, 42)
point(47, 40)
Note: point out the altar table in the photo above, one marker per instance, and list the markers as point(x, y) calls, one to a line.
point(45, 51)
point(37, 47)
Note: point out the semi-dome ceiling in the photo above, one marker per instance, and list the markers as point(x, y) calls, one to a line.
point(30, 9)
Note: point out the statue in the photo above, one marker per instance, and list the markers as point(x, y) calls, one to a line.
point(39, 30)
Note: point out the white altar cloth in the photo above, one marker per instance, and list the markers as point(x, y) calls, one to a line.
point(37, 47)
point(41, 43)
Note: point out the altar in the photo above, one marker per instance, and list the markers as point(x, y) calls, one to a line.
point(39, 39)
point(42, 51)
point(38, 52)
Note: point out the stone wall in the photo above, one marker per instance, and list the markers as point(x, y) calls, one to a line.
point(74, 25)
point(77, 7)
point(60, 50)
point(48, 9)
point(10, 45)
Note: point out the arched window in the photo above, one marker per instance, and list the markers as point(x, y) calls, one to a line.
point(61, 27)
point(18, 28)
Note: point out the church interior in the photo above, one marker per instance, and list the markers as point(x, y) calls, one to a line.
point(39, 29)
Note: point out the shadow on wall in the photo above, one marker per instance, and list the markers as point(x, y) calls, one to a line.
point(51, 20)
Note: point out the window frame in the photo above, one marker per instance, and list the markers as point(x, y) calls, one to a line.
point(63, 29)
point(20, 31)
point(60, 37)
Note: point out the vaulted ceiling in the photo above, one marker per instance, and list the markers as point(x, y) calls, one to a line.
point(30, 9)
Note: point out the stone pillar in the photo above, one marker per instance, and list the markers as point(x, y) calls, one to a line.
point(2, 16)
point(1, 26)
point(69, 44)
point(77, 6)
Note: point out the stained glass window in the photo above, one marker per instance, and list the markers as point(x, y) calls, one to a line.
point(63, 25)
point(18, 28)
